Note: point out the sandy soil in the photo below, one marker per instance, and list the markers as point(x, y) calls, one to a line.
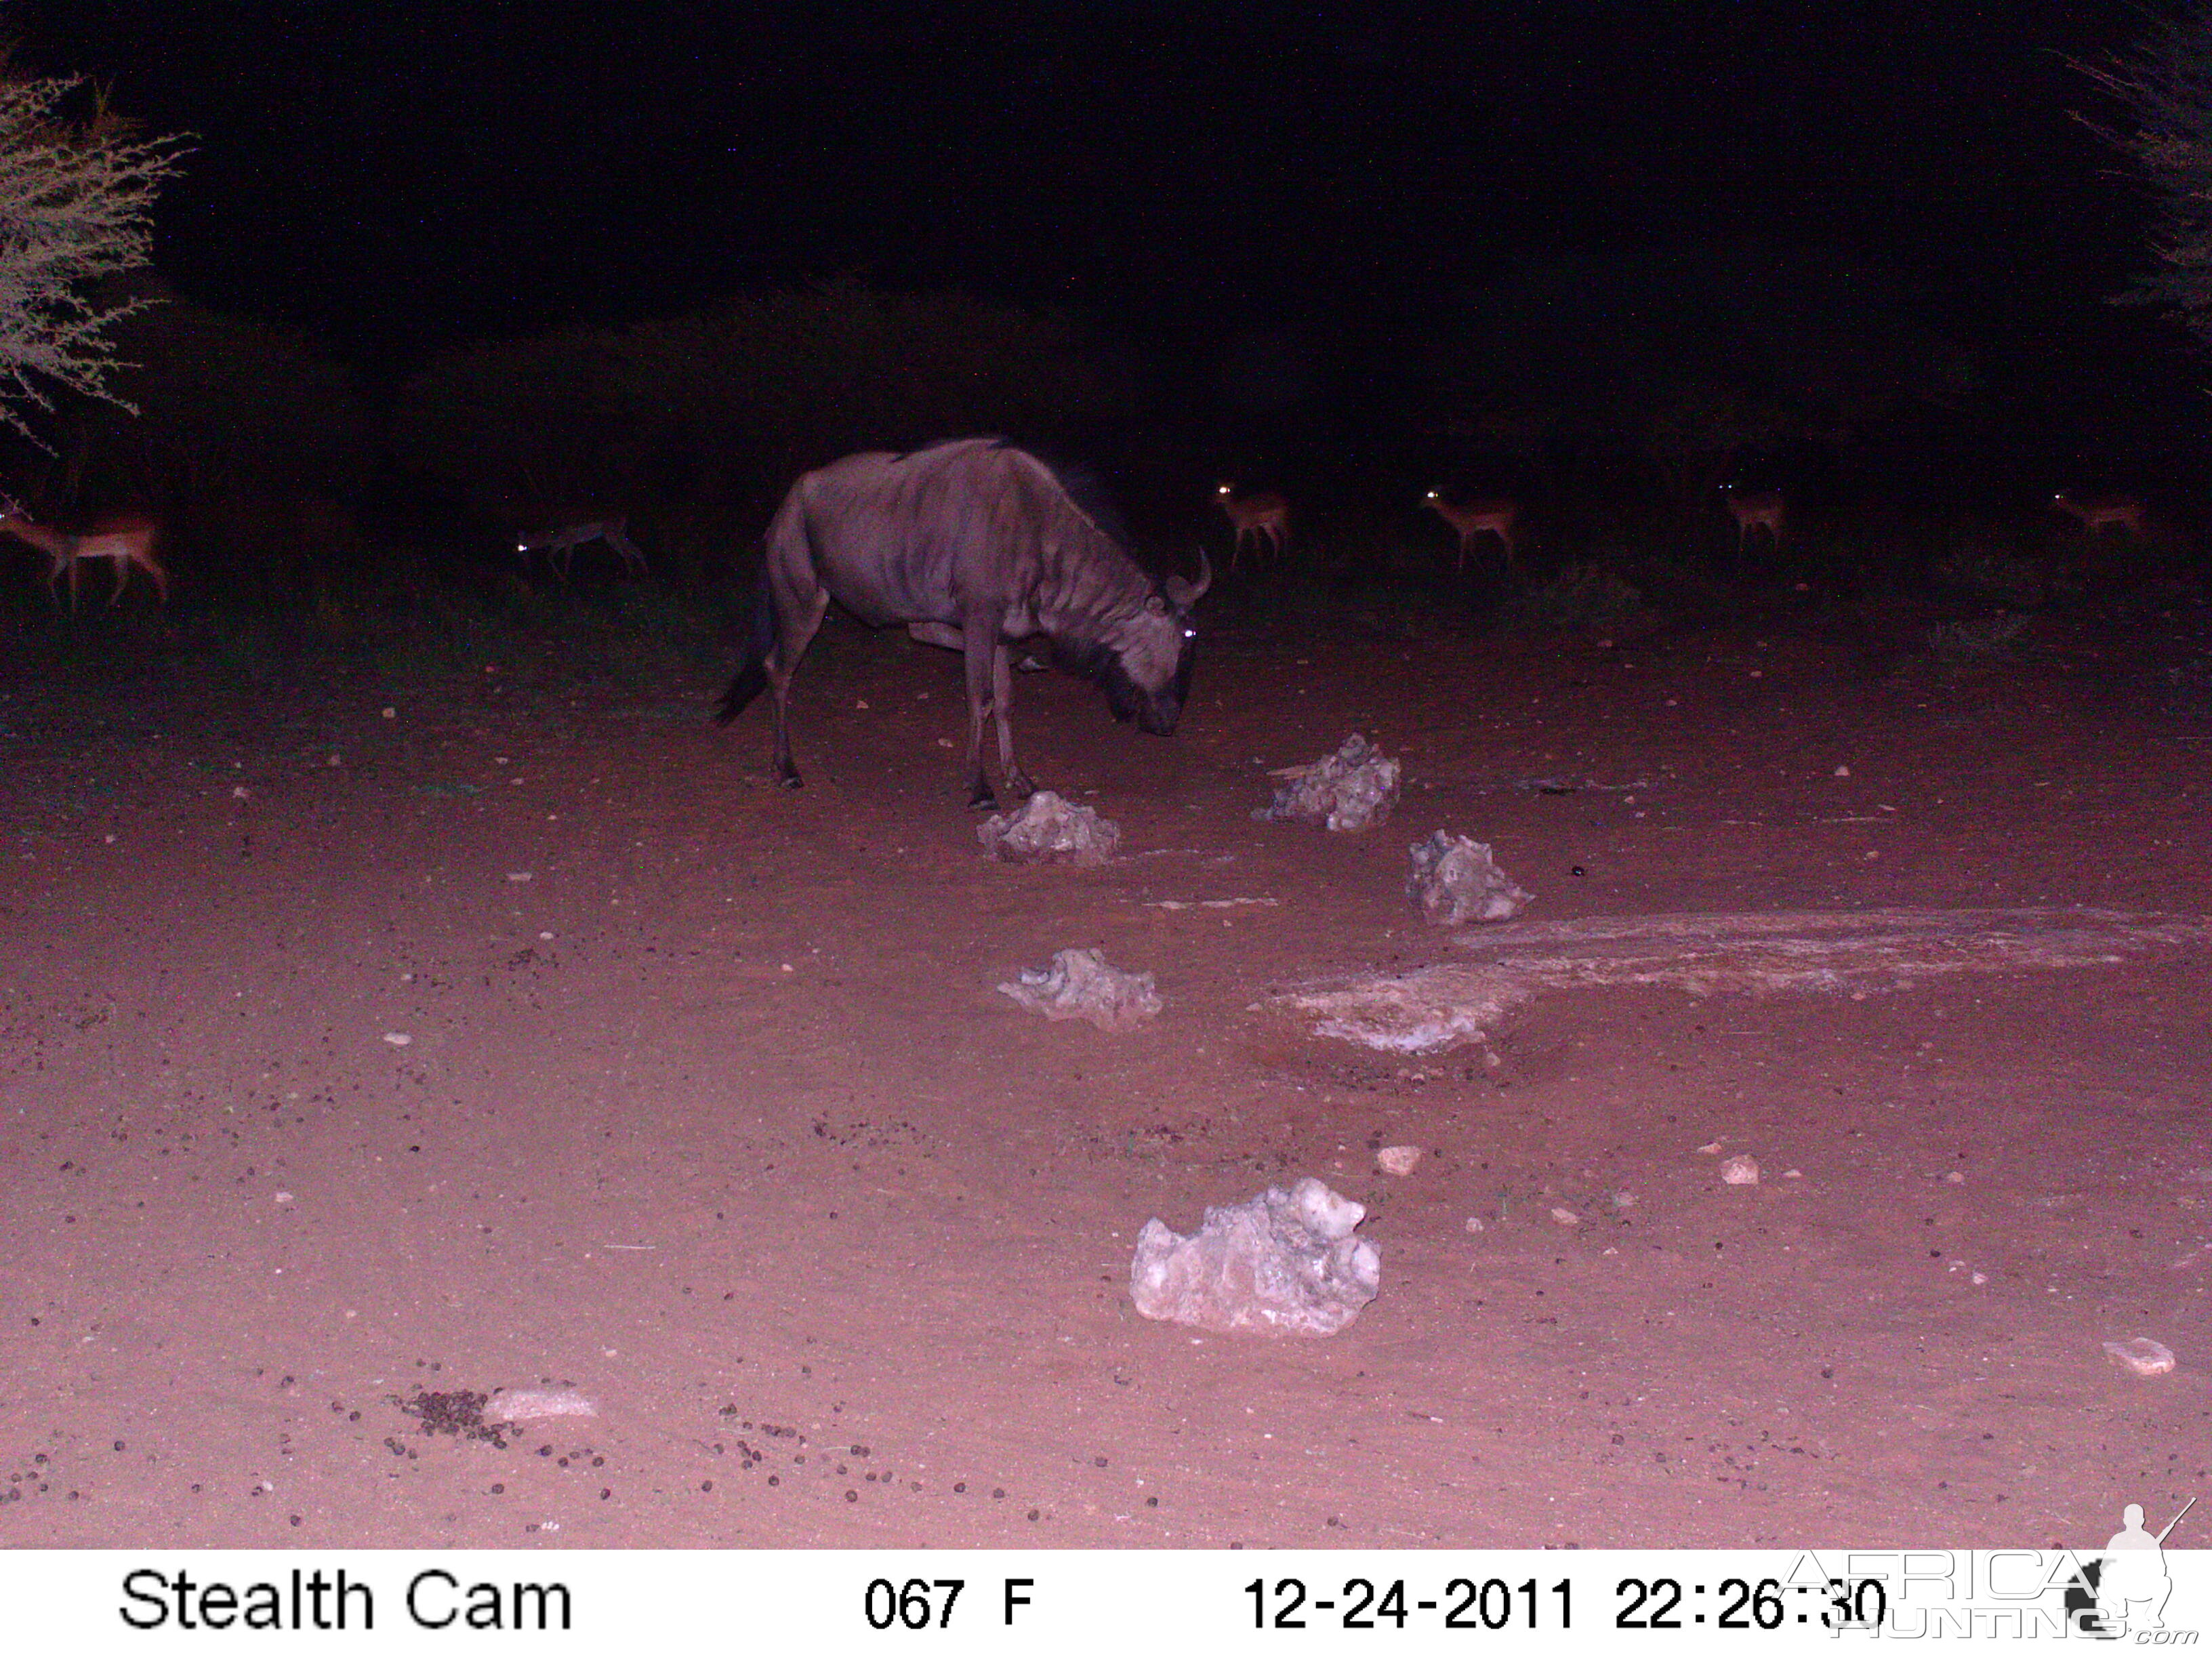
point(707, 1110)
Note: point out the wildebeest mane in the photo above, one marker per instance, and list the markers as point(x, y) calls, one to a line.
point(1083, 489)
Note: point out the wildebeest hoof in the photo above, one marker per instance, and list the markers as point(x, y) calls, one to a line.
point(981, 799)
point(790, 779)
point(1020, 787)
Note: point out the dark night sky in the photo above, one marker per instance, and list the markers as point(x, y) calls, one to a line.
point(1334, 183)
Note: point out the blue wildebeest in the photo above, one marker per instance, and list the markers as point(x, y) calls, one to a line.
point(971, 544)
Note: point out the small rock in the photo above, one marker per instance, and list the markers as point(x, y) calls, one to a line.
point(1952, 1177)
point(1355, 788)
point(1049, 830)
point(1565, 1218)
point(1080, 985)
point(397, 1039)
point(1475, 1224)
point(1843, 771)
point(1283, 1261)
point(527, 1405)
point(1399, 1160)
point(1454, 880)
point(1711, 1148)
point(2142, 1356)
point(1741, 1171)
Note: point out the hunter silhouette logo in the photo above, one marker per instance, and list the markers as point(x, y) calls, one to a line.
point(2123, 1591)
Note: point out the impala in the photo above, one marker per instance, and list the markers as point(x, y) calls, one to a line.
point(1498, 517)
point(560, 545)
point(1265, 516)
point(1765, 509)
point(123, 539)
point(2096, 512)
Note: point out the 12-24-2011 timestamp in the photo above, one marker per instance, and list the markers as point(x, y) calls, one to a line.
point(1366, 1604)
point(1470, 1603)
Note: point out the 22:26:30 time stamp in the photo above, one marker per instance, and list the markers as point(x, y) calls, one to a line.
point(1469, 1603)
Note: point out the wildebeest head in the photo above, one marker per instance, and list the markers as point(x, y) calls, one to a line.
point(1142, 660)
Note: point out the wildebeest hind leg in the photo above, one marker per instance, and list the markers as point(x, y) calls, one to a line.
point(798, 617)
point(1017, 781)
point(977, 660)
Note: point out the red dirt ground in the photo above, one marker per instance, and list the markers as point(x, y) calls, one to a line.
point(710, 1111)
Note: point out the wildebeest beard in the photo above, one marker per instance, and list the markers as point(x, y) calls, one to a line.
point(1155, 712)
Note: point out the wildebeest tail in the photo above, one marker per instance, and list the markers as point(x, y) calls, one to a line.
point(751, 678)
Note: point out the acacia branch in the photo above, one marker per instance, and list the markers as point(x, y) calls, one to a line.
point(77, 202)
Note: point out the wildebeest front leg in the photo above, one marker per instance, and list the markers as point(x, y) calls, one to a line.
point(1017, 781)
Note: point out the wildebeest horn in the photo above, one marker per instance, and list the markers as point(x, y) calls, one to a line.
point(1185, 593)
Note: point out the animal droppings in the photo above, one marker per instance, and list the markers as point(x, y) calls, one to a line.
point(1454, 880)
point(1282, 1261)
point(1048, 829)
point(1353, 789)
point(2142, 1356)
point(1079, 985)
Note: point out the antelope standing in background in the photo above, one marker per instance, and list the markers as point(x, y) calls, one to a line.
point(123, 539)
point(560, 545)
point(2096, 512)
point(1765, 509)
point(1497, 516)
point(1265, 516)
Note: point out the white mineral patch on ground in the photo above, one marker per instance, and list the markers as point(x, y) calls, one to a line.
point(1857, 952)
